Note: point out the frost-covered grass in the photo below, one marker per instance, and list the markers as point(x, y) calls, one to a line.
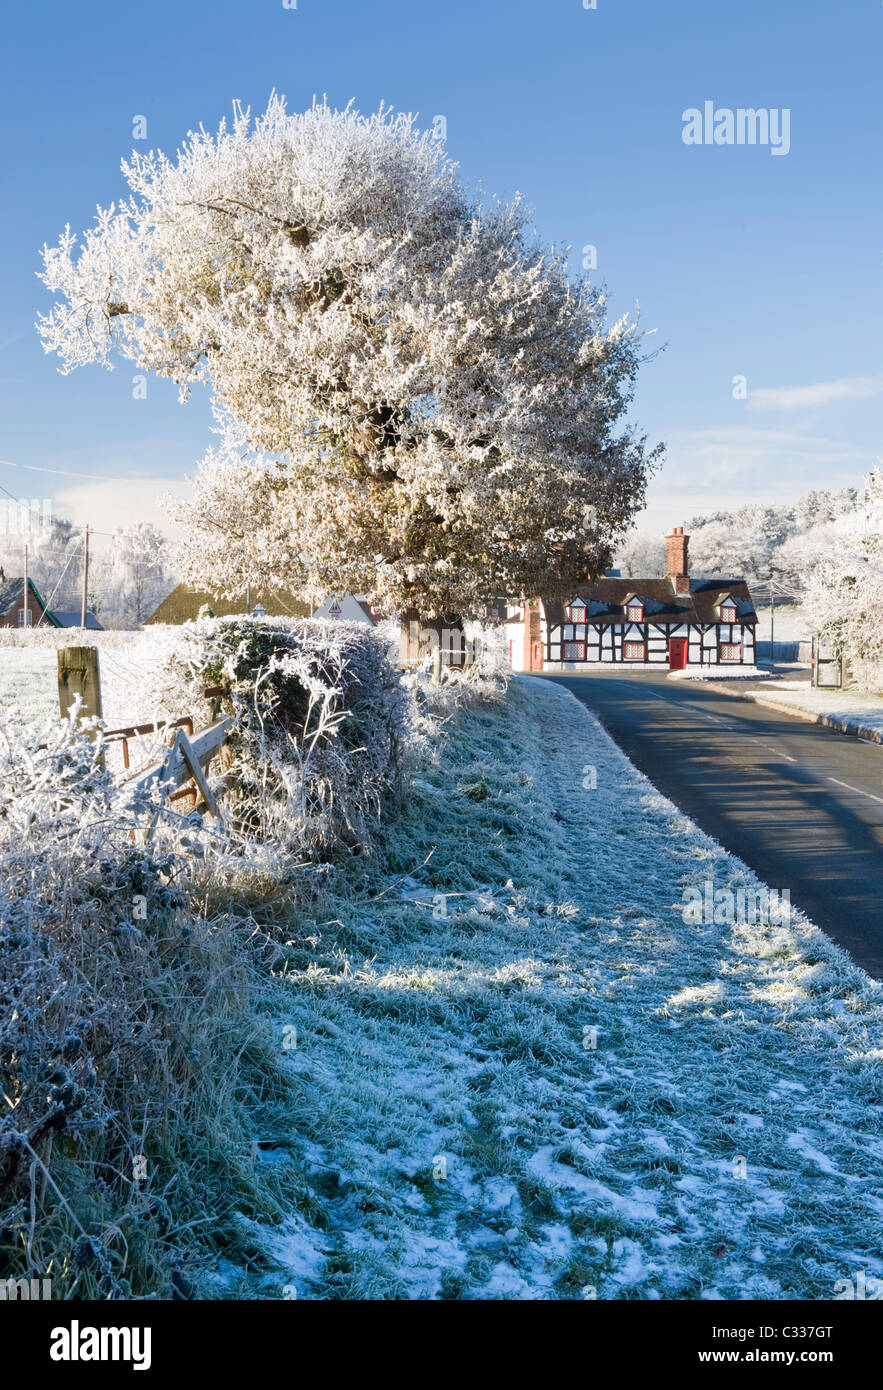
point(519, 1073)
point(853, 708)
point(29, 680)
point(487, 1060)
point(138, 1060)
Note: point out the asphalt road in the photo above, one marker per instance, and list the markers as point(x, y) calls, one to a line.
point(800, 804)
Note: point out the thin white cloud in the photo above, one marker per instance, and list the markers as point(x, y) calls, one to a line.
point(744, 456)
point(850, 388)
point(720, 469)
point(106, 506)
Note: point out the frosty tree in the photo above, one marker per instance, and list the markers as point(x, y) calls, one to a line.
point(641, 556)
point(416, 400)
point(132, 576)
point(843, 594)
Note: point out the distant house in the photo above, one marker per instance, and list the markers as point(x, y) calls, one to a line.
point(183, 604)
point(676, 622)
point(13, 610)
point(71, 618)
point(348, 608)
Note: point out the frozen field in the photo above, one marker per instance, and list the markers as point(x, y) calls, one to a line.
point(789, 624)
point(28, 678)
point(29, 671)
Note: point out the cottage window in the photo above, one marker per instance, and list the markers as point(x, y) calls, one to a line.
point(25, 617)
point(576, 611)
point(633, 651)
point(728, 612)
point(635, 611)
point(731, 651)
point(574, 651)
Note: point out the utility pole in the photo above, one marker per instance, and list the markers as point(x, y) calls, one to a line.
point(85, 579)
point(772, 611)
point(25, 591)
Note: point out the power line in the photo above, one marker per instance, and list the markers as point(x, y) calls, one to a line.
point(31, 468)
point(63, 472)
point(48, 603)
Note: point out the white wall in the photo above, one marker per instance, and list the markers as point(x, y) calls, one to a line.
point(514, 634)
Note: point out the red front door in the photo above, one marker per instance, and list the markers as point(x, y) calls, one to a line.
point(677, 653)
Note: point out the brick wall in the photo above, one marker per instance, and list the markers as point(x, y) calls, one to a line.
point(10, 617)
point(533, 636)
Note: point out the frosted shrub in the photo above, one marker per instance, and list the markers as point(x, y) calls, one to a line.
point(322, 726)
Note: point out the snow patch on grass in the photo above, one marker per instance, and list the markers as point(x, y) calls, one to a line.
point(29, 682)
point(718, 673)
point(852, 708)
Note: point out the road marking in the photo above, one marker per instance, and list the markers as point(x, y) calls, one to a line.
point(780, 753)
point(744, 734)
point(679, 705)
point(849, 787)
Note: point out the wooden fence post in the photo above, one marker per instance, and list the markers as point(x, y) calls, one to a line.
point(78, 675)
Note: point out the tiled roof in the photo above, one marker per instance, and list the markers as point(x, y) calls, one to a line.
point(70, 617)
point(373, 615)
point(11, 593)
point(606, 599)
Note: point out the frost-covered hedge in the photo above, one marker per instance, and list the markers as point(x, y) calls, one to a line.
point(323, 724)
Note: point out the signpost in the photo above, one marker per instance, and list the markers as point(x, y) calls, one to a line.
point(827, 666)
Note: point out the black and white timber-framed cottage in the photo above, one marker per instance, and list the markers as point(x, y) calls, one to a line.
point(674, 623)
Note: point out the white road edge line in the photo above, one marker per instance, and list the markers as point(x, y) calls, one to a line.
point(780, 753)
point(869, 795)
point(742, 734)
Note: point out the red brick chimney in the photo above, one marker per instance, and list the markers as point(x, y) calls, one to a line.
point(676, 549)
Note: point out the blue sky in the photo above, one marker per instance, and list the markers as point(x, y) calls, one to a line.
point(744, 263)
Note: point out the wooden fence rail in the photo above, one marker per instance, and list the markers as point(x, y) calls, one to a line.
point(181, 770)
point(186, 761)
point(135, 730)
